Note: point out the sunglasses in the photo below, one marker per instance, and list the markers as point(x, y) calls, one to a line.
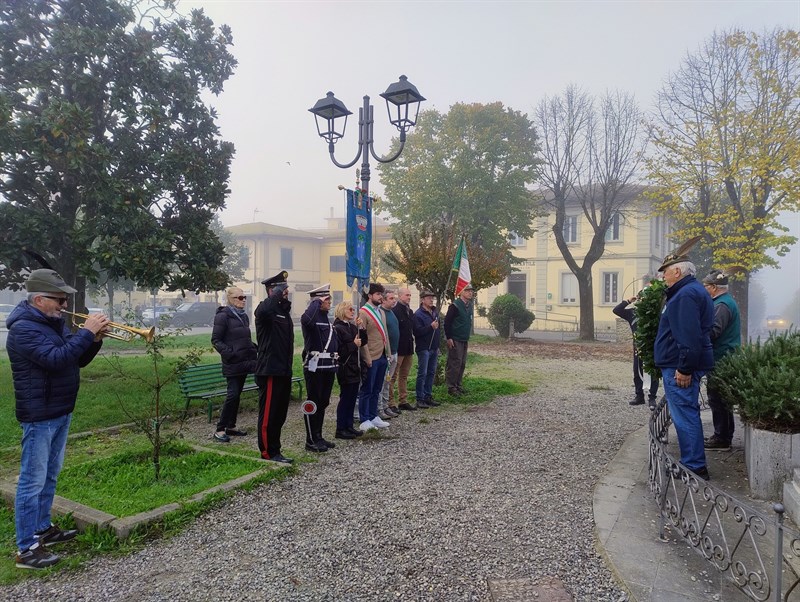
point(240, 298)
point(61, 300)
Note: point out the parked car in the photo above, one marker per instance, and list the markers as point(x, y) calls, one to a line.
point(776, 323)
point(160, 311)
point(197, 313)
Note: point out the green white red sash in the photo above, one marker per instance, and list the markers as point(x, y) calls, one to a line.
point(376, 318)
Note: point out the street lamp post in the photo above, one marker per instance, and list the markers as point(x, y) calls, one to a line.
point(402, 102)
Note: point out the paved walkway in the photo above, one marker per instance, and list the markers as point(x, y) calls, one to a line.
point(627, 518)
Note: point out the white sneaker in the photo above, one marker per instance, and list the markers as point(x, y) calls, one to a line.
point(366, 426)
point(380, 423)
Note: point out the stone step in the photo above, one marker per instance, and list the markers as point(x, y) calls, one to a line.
point(791, 497)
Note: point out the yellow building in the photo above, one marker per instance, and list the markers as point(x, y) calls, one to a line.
point(312, 257)
point(635, 246)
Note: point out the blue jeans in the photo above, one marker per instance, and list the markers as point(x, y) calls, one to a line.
point(685, 410)
point(371, 386)
point(43, 446)
point(426, 371)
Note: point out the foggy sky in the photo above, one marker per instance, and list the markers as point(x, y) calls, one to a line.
point(291, 53)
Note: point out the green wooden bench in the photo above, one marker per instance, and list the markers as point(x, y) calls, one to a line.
point(205, 381)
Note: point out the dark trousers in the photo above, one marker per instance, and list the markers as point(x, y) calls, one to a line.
point(274, 393)
point(638, 383)
point(347, 402)
point(456, 363)
point(230, 409)
point(720, 414)
point(318, 389)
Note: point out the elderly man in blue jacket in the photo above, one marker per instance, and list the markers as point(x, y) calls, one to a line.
point(46, 358)
point(683, 352)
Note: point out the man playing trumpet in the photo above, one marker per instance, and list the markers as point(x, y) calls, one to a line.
point(46, 358)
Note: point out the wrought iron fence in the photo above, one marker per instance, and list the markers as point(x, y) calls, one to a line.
point(739, 540)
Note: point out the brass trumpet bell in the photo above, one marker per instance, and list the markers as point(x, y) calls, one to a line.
point(120, 332)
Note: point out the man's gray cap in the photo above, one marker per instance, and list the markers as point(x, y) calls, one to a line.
point(47, 281)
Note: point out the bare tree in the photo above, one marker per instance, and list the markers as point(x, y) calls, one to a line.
point(591, 151)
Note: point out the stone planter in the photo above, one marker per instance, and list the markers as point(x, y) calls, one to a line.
point(771, 458)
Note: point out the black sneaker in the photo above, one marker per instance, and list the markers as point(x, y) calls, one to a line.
point(221, 437)
point(423, 405)
point(407, 406)
point(53, 535)
point(281, 458)
point(702, 472)
point(714, 442)
point(235, 433)
point(36, 557)
point(354, 431)
point(317, 447)
point(344, 435)
point(433, 404)
point(636, 401)
point(326, 443)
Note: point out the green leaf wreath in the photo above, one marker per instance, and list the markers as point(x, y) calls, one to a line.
point(648, 313)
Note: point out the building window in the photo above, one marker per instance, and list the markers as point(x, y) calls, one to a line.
point(517, 285)
point(571, 229)
point(245, 257)
point(610, 287)
point(286, 258)
point(338, 297)
point(614, 232)
point(515, 240)
point(569, 288)
point(337, 263)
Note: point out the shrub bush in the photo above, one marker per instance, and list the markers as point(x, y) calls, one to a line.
point(508, 308)
point(762, 380)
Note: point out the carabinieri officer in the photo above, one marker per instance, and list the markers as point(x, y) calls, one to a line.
point(275, 336)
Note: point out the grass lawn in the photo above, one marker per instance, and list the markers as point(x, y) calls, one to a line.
point(184, 472)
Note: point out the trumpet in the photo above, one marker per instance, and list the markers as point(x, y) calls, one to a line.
point(127, 332)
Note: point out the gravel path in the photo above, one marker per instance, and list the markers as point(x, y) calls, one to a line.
point(432, 512)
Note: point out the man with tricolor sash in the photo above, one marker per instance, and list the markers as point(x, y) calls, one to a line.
point(374, 358)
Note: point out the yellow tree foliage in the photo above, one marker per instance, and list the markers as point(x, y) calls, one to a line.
point(727, 145)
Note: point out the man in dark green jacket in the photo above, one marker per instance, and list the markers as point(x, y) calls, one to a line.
point(726, 337)
point(457, 328)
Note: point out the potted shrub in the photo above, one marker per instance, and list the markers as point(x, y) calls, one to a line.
point(762, 382)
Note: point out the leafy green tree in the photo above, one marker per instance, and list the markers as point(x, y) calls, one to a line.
point(111, 161)
point(425, 258)
point(592, 150)
point(727, 147)
point(464, 172)
point(507, 310)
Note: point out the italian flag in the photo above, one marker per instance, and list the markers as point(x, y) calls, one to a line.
point(461, 265)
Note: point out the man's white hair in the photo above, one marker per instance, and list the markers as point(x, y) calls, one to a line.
point(687, 268)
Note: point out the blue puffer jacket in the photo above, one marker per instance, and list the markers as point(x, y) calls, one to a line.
point(684, 331)
point(45, 362)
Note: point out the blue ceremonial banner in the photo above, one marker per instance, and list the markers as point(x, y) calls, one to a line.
point(359, 238)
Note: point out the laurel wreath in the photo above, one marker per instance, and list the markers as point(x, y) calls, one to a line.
point(649, 303)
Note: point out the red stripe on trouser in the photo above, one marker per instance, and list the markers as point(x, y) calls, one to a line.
point(265, 421)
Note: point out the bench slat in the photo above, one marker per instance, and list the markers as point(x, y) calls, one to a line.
point(206, 381)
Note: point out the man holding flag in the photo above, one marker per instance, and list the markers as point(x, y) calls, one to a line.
point(458, 323)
